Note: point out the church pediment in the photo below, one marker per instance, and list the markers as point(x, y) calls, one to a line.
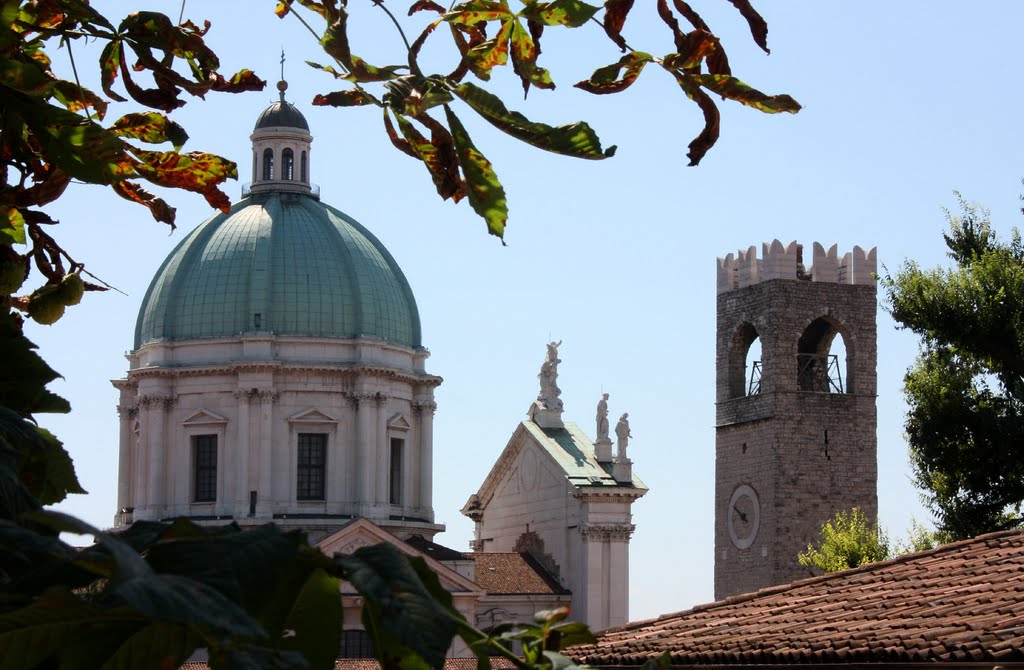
point(399, 422)
point(204, 417)
point(363, 533)
point(311, 416)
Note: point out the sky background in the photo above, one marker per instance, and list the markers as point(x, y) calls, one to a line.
point(904, 103)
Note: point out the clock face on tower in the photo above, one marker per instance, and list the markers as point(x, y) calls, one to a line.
point(744, 516)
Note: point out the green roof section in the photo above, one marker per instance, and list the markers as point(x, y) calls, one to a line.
point(281, 263)
point(573, 450)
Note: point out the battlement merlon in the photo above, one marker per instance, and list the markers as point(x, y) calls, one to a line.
point(786, 262)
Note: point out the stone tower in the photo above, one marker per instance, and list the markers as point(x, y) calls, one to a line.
point(795, 437)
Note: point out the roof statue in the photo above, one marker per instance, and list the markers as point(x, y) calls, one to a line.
point(549, 391)
point(623, 435)
point(602, 418)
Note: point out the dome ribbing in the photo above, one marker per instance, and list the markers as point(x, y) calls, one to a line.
point(281, 263)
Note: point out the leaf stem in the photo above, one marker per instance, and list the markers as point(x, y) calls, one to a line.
point(408, 47)
point(74, 71)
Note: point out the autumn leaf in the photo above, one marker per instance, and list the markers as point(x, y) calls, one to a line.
point(486, 194)
point(524, 60)
point(353, 98)
point(606, 79)
point(575, 139)
point(150, 127)
point(572, 13)
point(734, 89)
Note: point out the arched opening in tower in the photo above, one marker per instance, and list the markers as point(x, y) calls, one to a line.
point(753, 368)
point(823, 358)
point(745, 362)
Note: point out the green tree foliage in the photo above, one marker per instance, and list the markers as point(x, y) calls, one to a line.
point(966, 389)
point(419, 106)
point(265, 598)
point(848, 540)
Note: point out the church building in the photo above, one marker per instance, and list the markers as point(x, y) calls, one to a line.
point(278, 375)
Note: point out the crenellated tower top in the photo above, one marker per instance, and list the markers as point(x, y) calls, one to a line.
point(786, 262)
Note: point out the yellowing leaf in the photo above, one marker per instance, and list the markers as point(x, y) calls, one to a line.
point(734, 89)
point(486, 194)
point(606, 79)
point(483, 57)
point(574, 139)
point(571, 13)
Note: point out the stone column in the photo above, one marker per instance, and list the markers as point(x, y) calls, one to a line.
point(156, 407)
point(141, 460)
point(241, 455)
point(381, 447)
point(426, 456)
point(618, 597)
point(125, 473)
point(365, 493)
point(589, 590)
point(264, 499)
point(606, 574)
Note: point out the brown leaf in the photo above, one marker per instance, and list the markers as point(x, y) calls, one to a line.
point(160, 210)
point(670, 20)
point(426, 6)
point(758, 26)
point(691, 15)
point(399, 143)
point(352, 98)
point(712, 119)
point(615, 13)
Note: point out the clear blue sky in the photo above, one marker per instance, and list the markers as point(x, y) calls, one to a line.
point(904, 102)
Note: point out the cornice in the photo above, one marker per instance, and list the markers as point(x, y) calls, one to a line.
point(234, 367)
point(622, 494)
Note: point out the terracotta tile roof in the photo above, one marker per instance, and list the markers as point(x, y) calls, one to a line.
point(962, 602)
point(435, 550)
point(497, 663)
point(513, 573)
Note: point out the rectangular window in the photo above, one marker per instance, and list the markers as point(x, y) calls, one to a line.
point(397, 445)
point(312, 466)
point(204, 468)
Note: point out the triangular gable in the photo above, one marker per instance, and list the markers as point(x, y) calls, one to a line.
point(363, 533)
point(311, 416)
point(567, 450)
point(204, 417)
point(398, 422)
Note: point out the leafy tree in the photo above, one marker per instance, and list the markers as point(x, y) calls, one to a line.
point(260, 598)
point(966, 388)
point(848, 540)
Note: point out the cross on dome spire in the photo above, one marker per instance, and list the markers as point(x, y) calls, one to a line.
point(282, 85)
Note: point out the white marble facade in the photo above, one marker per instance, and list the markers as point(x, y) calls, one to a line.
point(367, 401)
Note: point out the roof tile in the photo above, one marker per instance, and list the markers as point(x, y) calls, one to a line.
point(959, 602)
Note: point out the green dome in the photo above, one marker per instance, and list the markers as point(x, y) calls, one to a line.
point(281, 263)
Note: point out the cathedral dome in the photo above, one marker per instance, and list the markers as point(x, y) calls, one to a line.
point(281, 115)
point(279, 263)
